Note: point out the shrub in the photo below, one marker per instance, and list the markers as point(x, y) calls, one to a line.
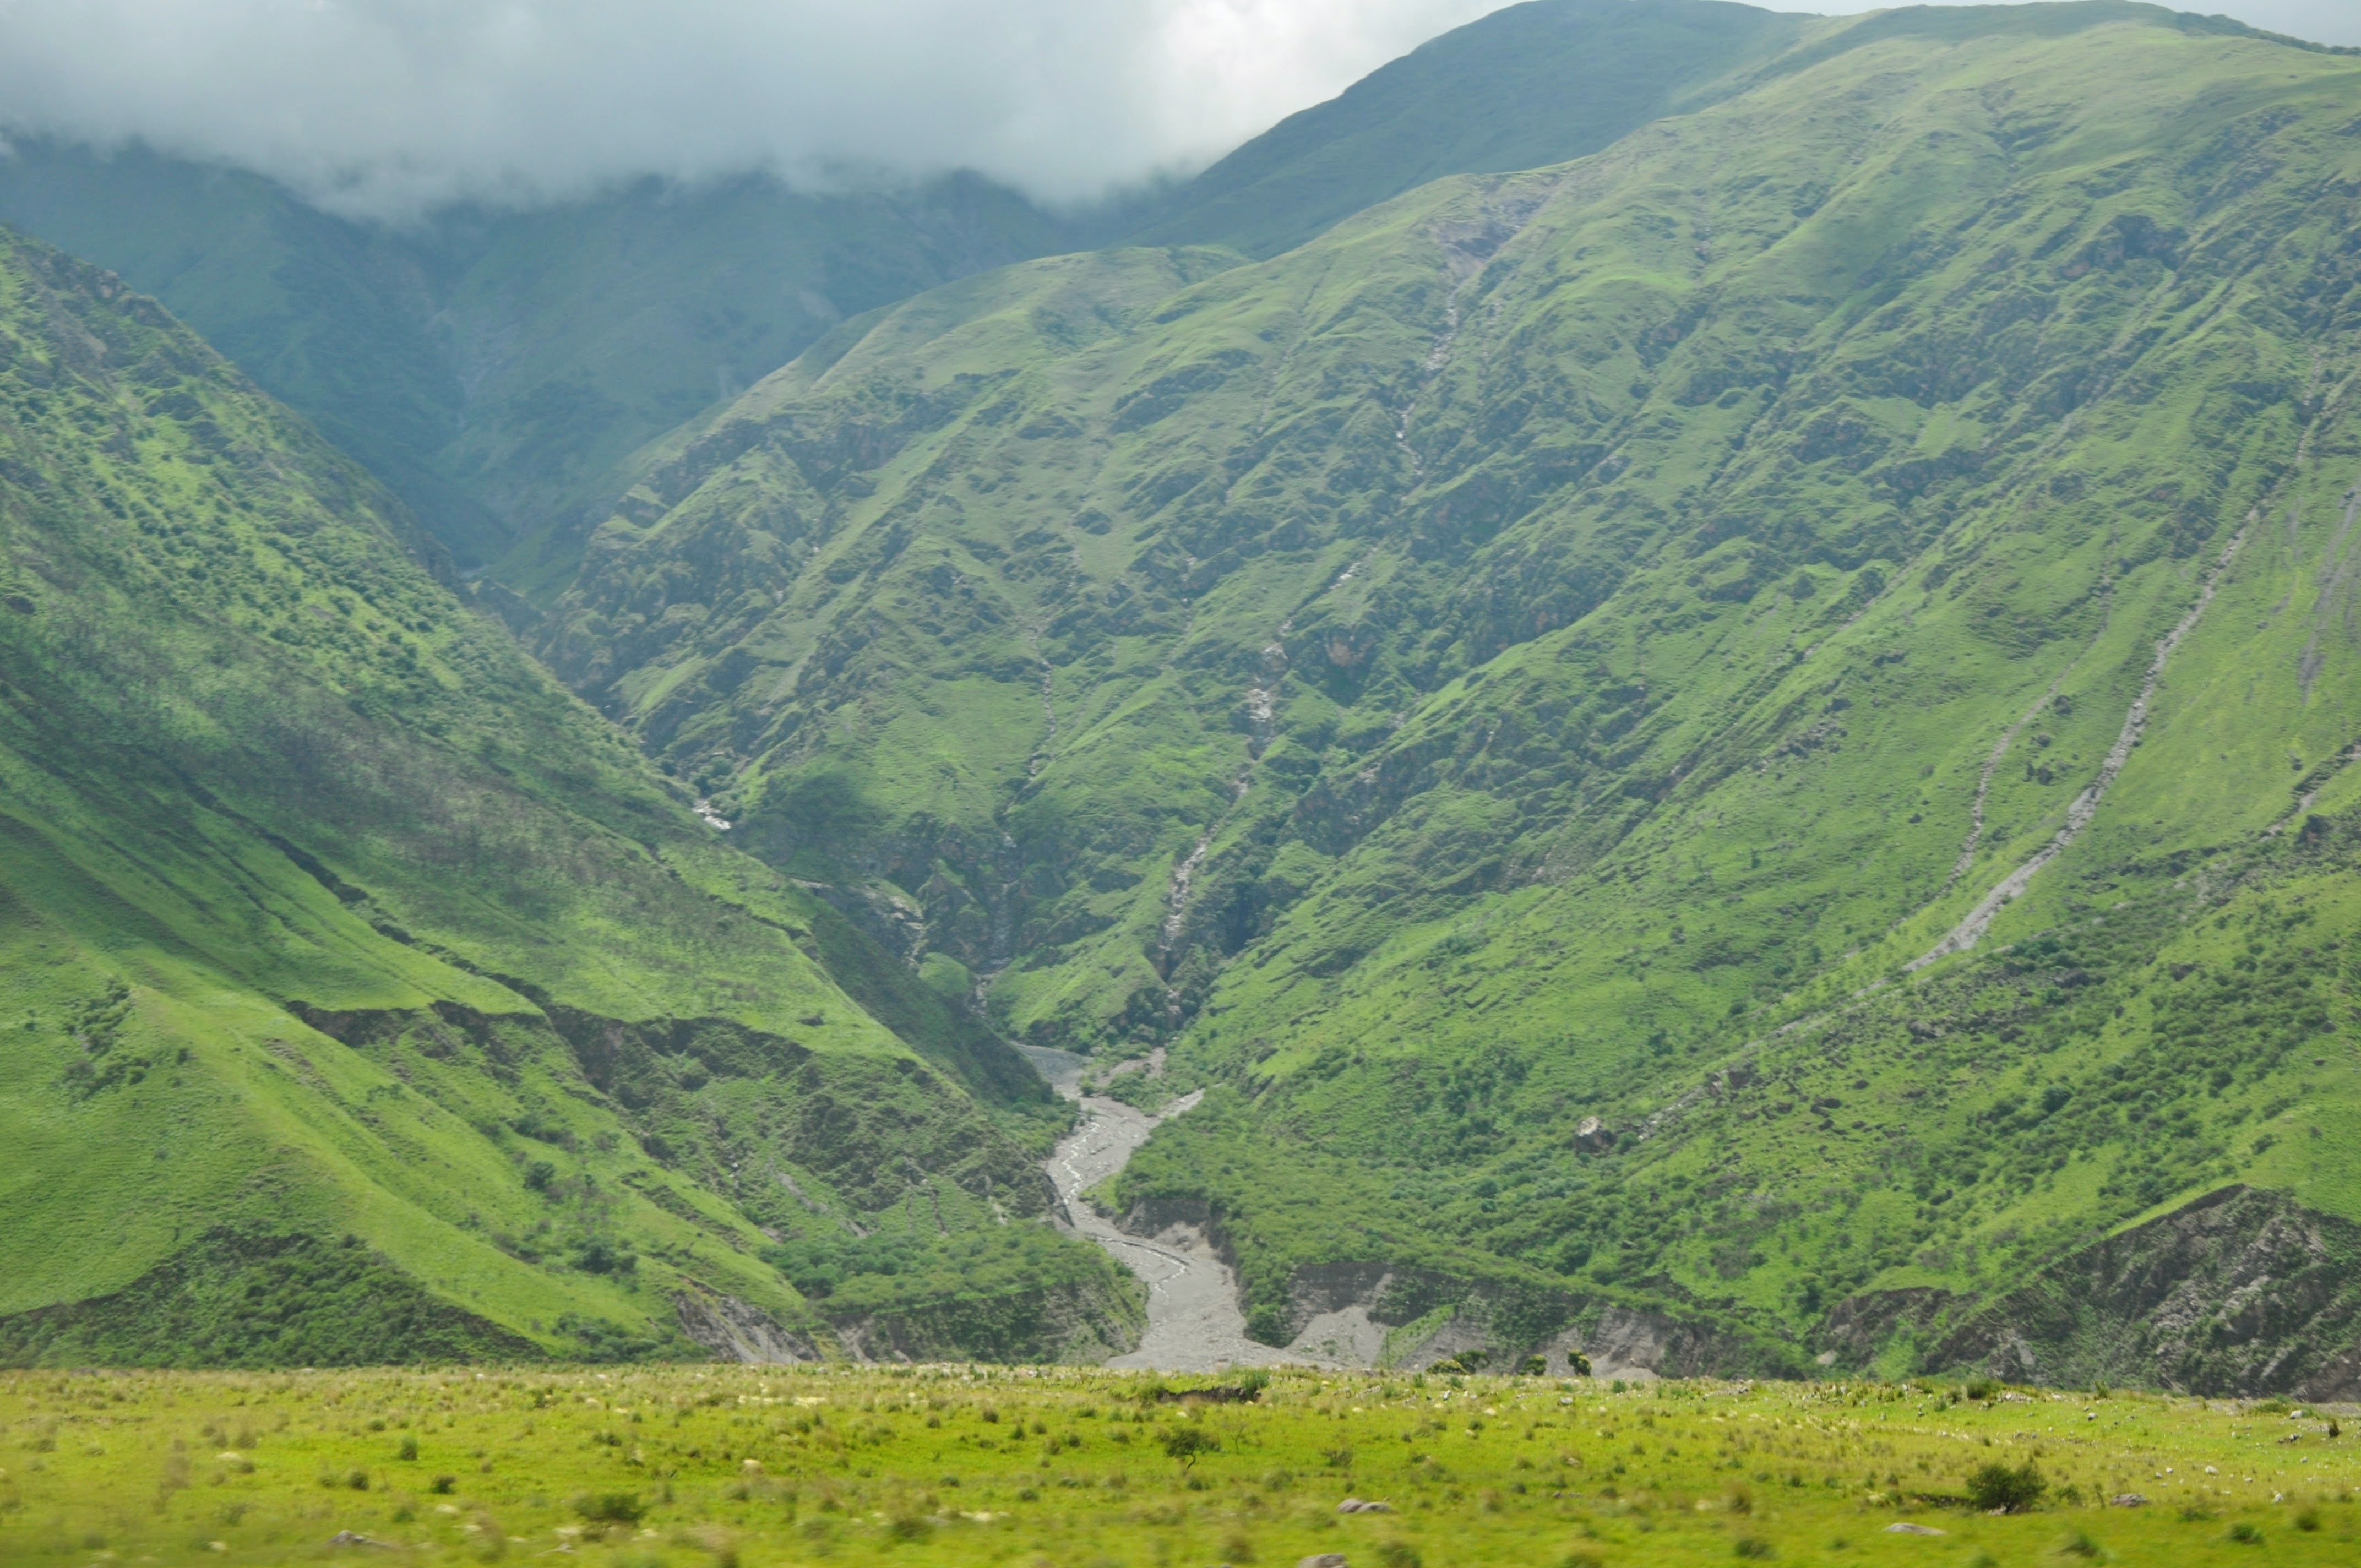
point(2014, 1489)
point(1754, 1546)
point(407, 1449)
point(1397, 1554)
point(1186, 1444)
point(610, 1507)
point(1981, 1389)
point(443, 1486)
point(2245, 1534)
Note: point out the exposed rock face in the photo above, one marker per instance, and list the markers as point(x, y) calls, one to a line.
point(1382, 1314)
point(1860, 1328)
point(1078, 1324)
point(2242, 1292)
point(1593, 1136)
point(733, 1331)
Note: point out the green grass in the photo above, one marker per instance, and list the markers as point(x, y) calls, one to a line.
point(962, 1465)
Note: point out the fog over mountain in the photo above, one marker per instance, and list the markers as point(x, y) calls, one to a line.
point(387, 108)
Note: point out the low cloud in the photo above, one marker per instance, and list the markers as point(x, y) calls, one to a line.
point(389, 107)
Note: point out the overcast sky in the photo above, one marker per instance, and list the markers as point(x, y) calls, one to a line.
point(389, 106)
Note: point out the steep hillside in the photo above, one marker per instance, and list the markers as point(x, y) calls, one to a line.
point(491, 367)
point(1668, 731)
point(367, 998)
point(1530, 84)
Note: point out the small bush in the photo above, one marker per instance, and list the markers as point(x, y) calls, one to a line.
point(1754, 1546)
point(2308, 1520)
point(2245, 1534)
point(1397, 1554)
point(406, 1449)
point(1981, 1389)
point(1187, 1443)
point(2080, 1546)
point(610, 1507)
point(2014, 1489)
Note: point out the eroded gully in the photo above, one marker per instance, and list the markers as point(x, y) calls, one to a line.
point(1194, 1321)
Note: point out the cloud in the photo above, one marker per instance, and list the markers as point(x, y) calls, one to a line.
point(390, 108)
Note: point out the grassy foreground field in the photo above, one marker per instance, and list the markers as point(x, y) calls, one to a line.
point(1059, 1468)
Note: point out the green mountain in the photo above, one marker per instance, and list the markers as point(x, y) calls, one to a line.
point(1732, 747)
point(491, 367)
point(1531, 84)
point(367, 998)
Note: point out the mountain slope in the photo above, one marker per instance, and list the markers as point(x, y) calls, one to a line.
point(1535, 652)
point(490, 366)
point(367, 998)
point(1531, 84)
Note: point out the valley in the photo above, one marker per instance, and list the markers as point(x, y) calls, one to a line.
point(1562, 647)
point(1689, 711)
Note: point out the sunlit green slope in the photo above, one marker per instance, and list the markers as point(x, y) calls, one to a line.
point(365, 996)
point(1530, 84)
point(1497, 662)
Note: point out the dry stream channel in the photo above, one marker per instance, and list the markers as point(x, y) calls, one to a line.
point(1194, 1321)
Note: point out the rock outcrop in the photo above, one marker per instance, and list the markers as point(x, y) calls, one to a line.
point(2242, 1292)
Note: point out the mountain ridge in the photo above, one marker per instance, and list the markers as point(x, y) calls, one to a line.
point(1306, 781)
